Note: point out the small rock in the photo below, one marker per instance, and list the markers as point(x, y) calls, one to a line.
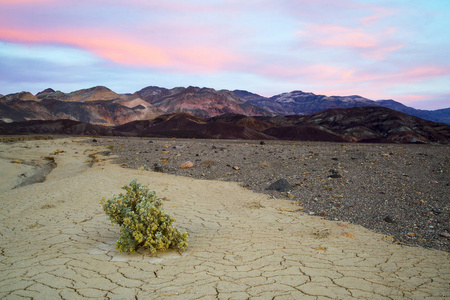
point(445, 234)
point(158, 168)
point(186, 165)
point(236, 168)
point(16, 162)
point(341, 224)
point(94, 141)
point(334, 174)
point(335, 159)
point(281, 185)
point(388, 219)
point(213, 147)
point(348, 235)
point(150, 142)
point(262, 143)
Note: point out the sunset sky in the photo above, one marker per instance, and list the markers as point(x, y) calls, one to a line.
point(374, 48)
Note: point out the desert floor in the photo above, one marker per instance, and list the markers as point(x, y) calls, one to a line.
point(56, 242)
point(399, 190)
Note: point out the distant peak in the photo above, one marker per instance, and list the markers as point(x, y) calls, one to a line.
point(46, 91)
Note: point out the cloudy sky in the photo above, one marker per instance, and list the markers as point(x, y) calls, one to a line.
point(374, 48)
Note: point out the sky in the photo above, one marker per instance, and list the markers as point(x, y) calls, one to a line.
point(373, 48)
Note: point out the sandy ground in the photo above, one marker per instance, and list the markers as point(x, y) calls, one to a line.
point(56, 242)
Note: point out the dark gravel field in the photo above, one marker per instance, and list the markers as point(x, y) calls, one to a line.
point(399, 190)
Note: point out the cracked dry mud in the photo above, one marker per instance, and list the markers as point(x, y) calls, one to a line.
point(56, 242)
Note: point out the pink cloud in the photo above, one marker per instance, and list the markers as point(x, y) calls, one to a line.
point(378, 13)
point(339, 36)
point(124, 49)
point(373, 45)
point(21, 2)
point(425, 101)
point(410, 75)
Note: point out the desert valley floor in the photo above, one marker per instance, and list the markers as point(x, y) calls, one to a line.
point(244, 241)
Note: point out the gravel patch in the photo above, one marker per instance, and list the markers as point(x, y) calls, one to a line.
point(399, 190)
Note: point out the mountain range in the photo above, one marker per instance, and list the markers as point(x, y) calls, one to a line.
point(207, 113)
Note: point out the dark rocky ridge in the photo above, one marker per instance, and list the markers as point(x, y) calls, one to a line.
point(361, 124)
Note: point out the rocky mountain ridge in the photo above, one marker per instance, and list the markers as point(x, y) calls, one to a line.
point(100, 105)
point(299, 102)
point(358, 124)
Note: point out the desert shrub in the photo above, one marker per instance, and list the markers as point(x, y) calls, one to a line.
point(142, 220)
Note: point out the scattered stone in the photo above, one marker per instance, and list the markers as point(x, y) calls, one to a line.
point(388, 219)
point(16, 162)
point(208, 163)
point(341, 224)
point(445, 234)
point(335, 174)
point(94, 141)
point(322, 233)
point(348, 235)
point(236, 168)
point(321, 248)
point(335, 158)
point(262, 143)
point(186, 165)
point(157, 168)
point(47, 206)
point(281, 185)
point(150, 142)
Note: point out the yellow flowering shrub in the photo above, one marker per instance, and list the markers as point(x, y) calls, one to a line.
point(142, 221)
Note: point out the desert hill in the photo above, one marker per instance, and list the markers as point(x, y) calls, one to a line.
point(299, 102)
point(100, 105)
point(359, 124)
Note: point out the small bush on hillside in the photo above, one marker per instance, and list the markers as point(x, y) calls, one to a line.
point(142, 221)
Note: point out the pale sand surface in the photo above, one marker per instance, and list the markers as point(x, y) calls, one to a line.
point(56, 242)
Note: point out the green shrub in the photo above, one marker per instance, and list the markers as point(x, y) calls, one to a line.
point(142, 221)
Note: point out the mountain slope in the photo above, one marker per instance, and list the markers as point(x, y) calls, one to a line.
point(359, 124)
point(298, 102)
point(100, 105)
point(203, 102)
point(378, 124)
